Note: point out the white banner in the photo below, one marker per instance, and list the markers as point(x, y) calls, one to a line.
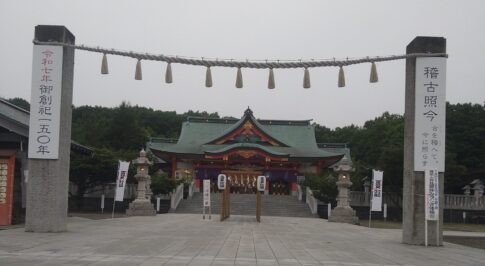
point(121, 180)
point(432, 194)
point(430, 114)
point(377, 178)
point(45, 102)
point(207, 192)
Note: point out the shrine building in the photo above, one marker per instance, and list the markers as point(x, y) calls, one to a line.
point(282, 150)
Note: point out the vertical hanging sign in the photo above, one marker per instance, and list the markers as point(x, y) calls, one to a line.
point(377, 190)
point(45, 102)
point(207, 193)
point(431, 192)
point(430, 114)
point(121, 180)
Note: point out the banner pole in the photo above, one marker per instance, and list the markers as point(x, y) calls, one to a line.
point(371, 197)
point(114, 196)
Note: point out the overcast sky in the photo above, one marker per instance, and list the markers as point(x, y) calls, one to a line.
point(254, 30)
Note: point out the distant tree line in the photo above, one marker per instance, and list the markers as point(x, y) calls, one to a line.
point(120, 132)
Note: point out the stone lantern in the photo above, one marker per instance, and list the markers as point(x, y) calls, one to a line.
point(343, 213)
point(477, 188)
point(142, 206)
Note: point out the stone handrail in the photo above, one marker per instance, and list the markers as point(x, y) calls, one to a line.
point(311, 201)
point(191, 189)
point(464, 202)
point(299, 192)
point(456, 202)
point(176, 197)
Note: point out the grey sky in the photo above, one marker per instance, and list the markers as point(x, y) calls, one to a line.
point(254, 30)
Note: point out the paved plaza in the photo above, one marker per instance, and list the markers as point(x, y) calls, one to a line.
point(186, 239)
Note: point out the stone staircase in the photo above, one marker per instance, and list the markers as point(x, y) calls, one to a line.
point(245, 204)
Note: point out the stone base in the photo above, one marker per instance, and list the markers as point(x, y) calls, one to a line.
point(343, 215)
point(141, 208)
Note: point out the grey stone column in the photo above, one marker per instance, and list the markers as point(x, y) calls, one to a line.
point(48, 184)
point(413, 182)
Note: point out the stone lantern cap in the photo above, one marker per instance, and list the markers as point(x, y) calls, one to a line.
point(142, 160)
point(477, 184)
point(344, 165)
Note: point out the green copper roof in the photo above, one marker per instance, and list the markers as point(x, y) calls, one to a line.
point(298, 138)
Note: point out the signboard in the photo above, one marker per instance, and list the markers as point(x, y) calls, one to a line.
point(430, 114)
point(7, 166)
point(221, 181)
point(207, 192)
point(432, 192)
point(45, 102)
point(121, 180)
point(261, 182)
point(377, 177)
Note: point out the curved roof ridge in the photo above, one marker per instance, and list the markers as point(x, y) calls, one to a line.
point(248, 115)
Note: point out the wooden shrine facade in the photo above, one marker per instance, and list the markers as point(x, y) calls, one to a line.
point(243, 149)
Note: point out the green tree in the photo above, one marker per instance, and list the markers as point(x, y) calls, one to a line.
point(162, 184)
point(20, 103)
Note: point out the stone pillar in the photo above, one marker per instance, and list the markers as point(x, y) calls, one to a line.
point(48, 184)
point(413, 182)
point(343, 213)
point(142, 205)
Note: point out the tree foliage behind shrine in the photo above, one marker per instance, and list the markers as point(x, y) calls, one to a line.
point(120, 132)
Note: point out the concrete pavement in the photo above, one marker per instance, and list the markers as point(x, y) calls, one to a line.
point(186, 239)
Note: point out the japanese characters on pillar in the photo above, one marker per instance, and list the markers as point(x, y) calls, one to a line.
point(45, 103)
point(430, 115)
point(432, 195)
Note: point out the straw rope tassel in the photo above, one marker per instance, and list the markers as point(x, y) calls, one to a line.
point(306, 79)
point(341, 78)
point(104, 65)
point(239, 80)
point(208, 77)
point(138, 70)
point(271, 83)
point(168, 73)
point(373, 73)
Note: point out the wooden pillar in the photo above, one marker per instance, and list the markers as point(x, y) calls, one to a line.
point(174, 166)
point(258, 206)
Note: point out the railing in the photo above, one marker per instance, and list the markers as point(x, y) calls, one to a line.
point(191, 189)
point(177, 196)
point(299, 192)
point(464, 202)
point(359, 198)
point(456, 202)
point(311, 201)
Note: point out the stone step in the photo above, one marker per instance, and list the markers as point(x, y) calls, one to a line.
point(245, 204)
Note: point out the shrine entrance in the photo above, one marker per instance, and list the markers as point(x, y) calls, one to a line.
point(224, 185)
point(242, 181)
